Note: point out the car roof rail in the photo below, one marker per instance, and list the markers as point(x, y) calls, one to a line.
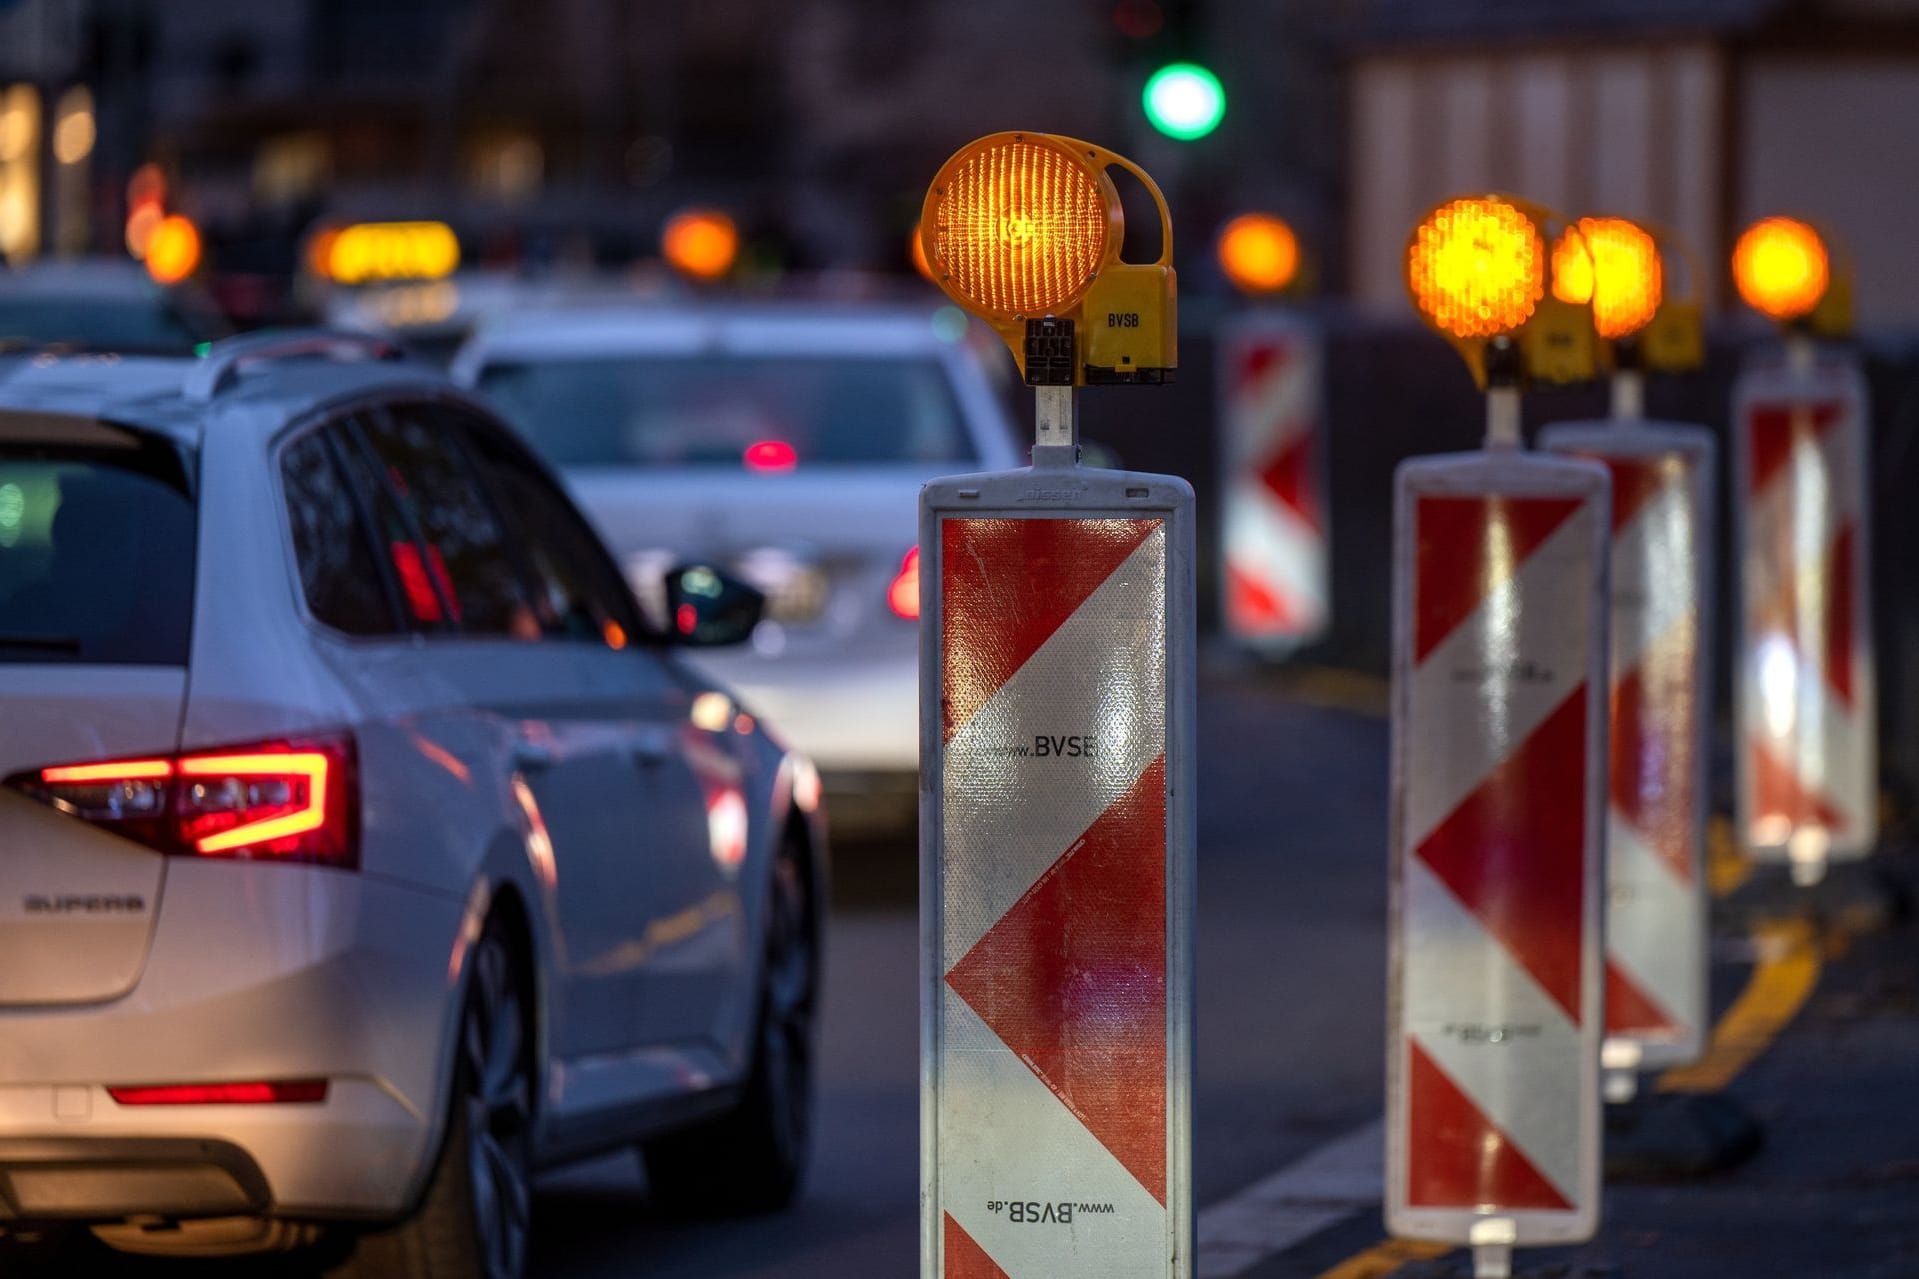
point(220, 367)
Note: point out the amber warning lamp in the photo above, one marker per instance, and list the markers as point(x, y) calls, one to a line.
point(1024, 230)
point(1784, 269)
point(1478, 270)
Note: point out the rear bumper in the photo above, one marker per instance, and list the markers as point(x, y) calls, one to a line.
point(103, 1179)
point(256, 973)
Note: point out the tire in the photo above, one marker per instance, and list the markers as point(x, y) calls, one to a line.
point(751, 1160)
point(474, 1220)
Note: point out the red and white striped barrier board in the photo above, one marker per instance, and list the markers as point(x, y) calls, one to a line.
point(1275, 584)
point(1057, 887)
point(1662, 531)
point(1499, 731)
point(1808, 752)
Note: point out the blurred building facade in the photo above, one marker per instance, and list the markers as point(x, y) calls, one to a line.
point(1697, 115)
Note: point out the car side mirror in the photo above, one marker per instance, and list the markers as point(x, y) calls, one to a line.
point(708, 608)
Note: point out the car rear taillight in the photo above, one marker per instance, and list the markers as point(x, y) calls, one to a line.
point(275, 801)
point(903, 596)
point(770, 455)
point(292, 1091)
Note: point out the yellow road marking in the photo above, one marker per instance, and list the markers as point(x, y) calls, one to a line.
point(1780, 984)
point(1726, 866)
point(1383, 1259)
point(1334, 689)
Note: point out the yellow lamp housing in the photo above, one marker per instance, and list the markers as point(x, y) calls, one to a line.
point(1477, 269)
point(1025, 231)
point(1675, 339)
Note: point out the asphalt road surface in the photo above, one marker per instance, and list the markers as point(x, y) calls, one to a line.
point(1292, 804)
point(1291, 974)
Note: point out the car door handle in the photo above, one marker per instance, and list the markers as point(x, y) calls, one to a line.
point(650, 750)
point(531, 758)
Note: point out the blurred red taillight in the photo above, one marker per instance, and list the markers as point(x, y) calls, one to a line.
point(770, 455)
point(903, 596)
point(279, 801)
point(306, 1091)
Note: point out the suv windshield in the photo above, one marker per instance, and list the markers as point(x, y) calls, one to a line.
point(96, 545)
point(770, 413)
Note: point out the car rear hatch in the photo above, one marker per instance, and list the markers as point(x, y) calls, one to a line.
point(96, 602)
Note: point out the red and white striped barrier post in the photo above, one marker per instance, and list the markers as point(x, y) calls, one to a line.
point(1056, 764)
point(1807, 758)
point(1661, 565)
point(1275, 588)
point(1495, 998)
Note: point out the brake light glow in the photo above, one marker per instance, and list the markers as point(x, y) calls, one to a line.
point(903, 596)
point(770, 455)
point(293, 1091)
point(129, 771)
point(278, 801)
point(261, 798)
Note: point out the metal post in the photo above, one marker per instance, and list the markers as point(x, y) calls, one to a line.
point(1056, 416)
point(1502, 418)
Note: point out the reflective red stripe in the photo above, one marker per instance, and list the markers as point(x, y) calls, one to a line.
point(965, 1259)
point(1653, 733)
point(1773, 428)
point(1839, 616)
point(1514, 852)
point(1778, 796)
point(1288, 475)
point(991, 631)
point(1630, 1010)
point(1468, 547)
point(1462, 1159)
point(1073, 979)
point(1251, 606)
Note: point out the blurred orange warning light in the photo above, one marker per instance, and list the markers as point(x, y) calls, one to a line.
point(1259, 253)
point(701, 243)
point(1613, 264)
point(172, 249)
point(1018, 225)
point(1476, 267)
point(1781, 268)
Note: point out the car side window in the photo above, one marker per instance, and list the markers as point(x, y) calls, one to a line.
point(339, 573)
point(462, 555)
point(583, 595)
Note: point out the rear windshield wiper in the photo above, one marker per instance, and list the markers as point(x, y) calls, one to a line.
point(43, 643)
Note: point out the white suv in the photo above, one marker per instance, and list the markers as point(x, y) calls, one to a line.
point(364, 846)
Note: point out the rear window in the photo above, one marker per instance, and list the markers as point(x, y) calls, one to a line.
point(768, 413)
point(96, 546)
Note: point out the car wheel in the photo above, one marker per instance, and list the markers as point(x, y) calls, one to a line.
point(475, 1220)
point(751, 1159)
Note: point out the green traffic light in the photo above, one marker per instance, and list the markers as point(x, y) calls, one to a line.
point(1184, 100)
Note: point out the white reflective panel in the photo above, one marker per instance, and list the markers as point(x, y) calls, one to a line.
point(1807, 753)
point(1656, 1006)
point(1498, 798)
point(1056, 1008)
